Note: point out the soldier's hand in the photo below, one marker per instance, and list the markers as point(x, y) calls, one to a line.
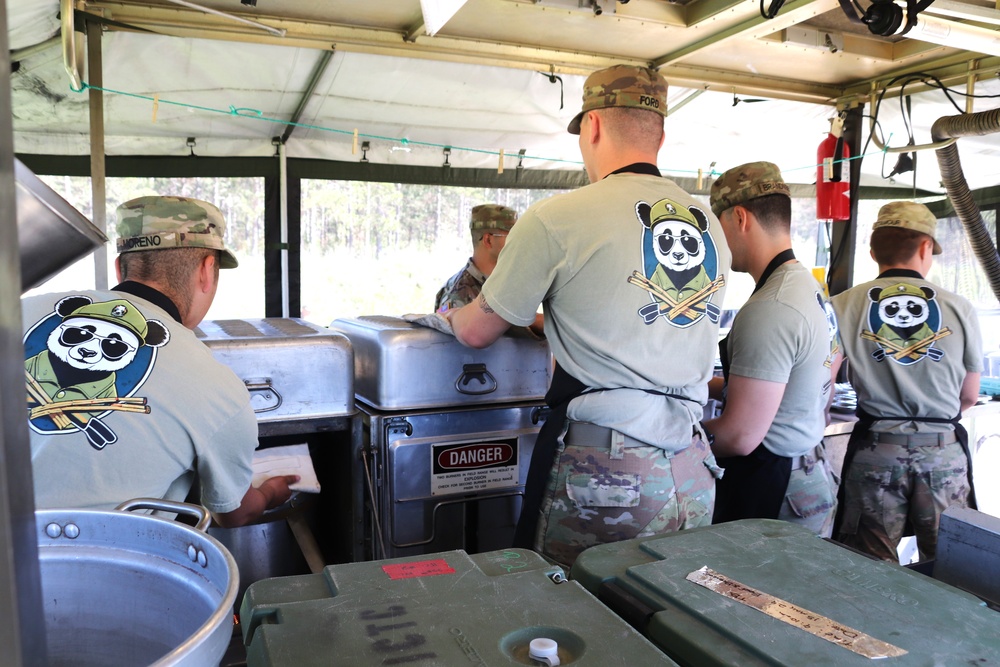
point(276, 490)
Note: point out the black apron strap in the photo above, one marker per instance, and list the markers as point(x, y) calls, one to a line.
point(564, 388)
point(963, 439)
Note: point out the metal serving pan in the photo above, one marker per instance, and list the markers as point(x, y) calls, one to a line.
point(399, 365)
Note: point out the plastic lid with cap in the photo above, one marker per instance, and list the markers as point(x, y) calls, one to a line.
point(544, 650)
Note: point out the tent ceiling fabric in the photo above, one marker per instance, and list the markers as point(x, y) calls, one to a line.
point(477, 84)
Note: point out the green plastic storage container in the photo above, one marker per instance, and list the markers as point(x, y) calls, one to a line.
point(844, 595)
point(447, 608)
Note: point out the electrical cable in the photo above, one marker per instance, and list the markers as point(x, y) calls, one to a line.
point(772, 10)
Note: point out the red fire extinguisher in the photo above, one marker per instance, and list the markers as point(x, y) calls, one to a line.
point(833, 176)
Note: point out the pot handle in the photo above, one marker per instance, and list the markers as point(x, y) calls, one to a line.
point(201, 513)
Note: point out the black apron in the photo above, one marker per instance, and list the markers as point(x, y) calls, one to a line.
point(753, 486)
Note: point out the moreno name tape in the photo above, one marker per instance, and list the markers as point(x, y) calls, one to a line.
point(813, 623)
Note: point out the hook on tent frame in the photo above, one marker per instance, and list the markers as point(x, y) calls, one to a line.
point(364, 150)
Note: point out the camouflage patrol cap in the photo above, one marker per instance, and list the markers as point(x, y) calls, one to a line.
point(159, 223)
point(622, 86)
point(745, 182)
point(908, 215)
point(116, 311)
point(492, 216)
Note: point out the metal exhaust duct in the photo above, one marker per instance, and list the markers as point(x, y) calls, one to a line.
point(966, 125)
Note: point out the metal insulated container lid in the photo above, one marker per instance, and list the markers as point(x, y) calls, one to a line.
point(399, 365)
point(51, 233)
point(294, 369)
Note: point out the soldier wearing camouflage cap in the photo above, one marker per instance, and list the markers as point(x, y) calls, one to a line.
point(779, 362)
point(915, 354)
point(630, 270)
point(124, 401)
point(489, 226)
point(160, 223)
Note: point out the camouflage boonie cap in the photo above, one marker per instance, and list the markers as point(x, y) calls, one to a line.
point(117, 311)
point(622, 86)
point(745, 182)
point(159, 223)
point(492, 216)
point(908, 215)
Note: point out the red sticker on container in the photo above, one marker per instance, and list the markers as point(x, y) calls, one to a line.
point(422, 568)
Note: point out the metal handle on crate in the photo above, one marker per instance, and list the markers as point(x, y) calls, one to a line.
point(479, 373)
point(265, 386)
point(161, 505)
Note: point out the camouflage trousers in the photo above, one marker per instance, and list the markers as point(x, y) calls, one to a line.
point(607, 487)
point(890, 484)
point(811, 495)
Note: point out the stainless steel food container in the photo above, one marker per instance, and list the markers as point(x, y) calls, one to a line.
point(400, 366)
point(298, 373)
point(51, 233)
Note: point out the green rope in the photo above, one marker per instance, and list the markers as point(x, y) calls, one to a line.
point(255, 114)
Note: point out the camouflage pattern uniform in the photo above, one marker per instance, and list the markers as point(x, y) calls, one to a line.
point(159, 223)
point(461, 288)
point(888, 484)
point(811, 495)
point(465, 286)
point(613, 488)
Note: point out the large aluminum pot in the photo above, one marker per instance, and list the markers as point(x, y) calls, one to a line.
point(124, 589)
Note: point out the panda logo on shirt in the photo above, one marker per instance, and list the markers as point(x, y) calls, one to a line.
point(85, 361)
point(904, 323)
point(680, 264)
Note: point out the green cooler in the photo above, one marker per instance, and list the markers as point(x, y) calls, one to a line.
point(762, 592)
point(448, 608)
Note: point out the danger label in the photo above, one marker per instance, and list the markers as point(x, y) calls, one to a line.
point(474, 467)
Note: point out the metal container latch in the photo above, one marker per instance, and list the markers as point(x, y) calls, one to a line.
point(478, 373)
point(262, 388)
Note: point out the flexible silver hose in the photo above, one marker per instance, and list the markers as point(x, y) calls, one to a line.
point(964, 125)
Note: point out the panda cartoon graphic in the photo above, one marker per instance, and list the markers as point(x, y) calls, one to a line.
point(86, 360)
point(680, 264)
point(832, 327)
point(906, 322)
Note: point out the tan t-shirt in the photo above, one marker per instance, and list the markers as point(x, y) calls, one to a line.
point(171, 409)
point(909, 346)
point(591, 259)
point(782, 334)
